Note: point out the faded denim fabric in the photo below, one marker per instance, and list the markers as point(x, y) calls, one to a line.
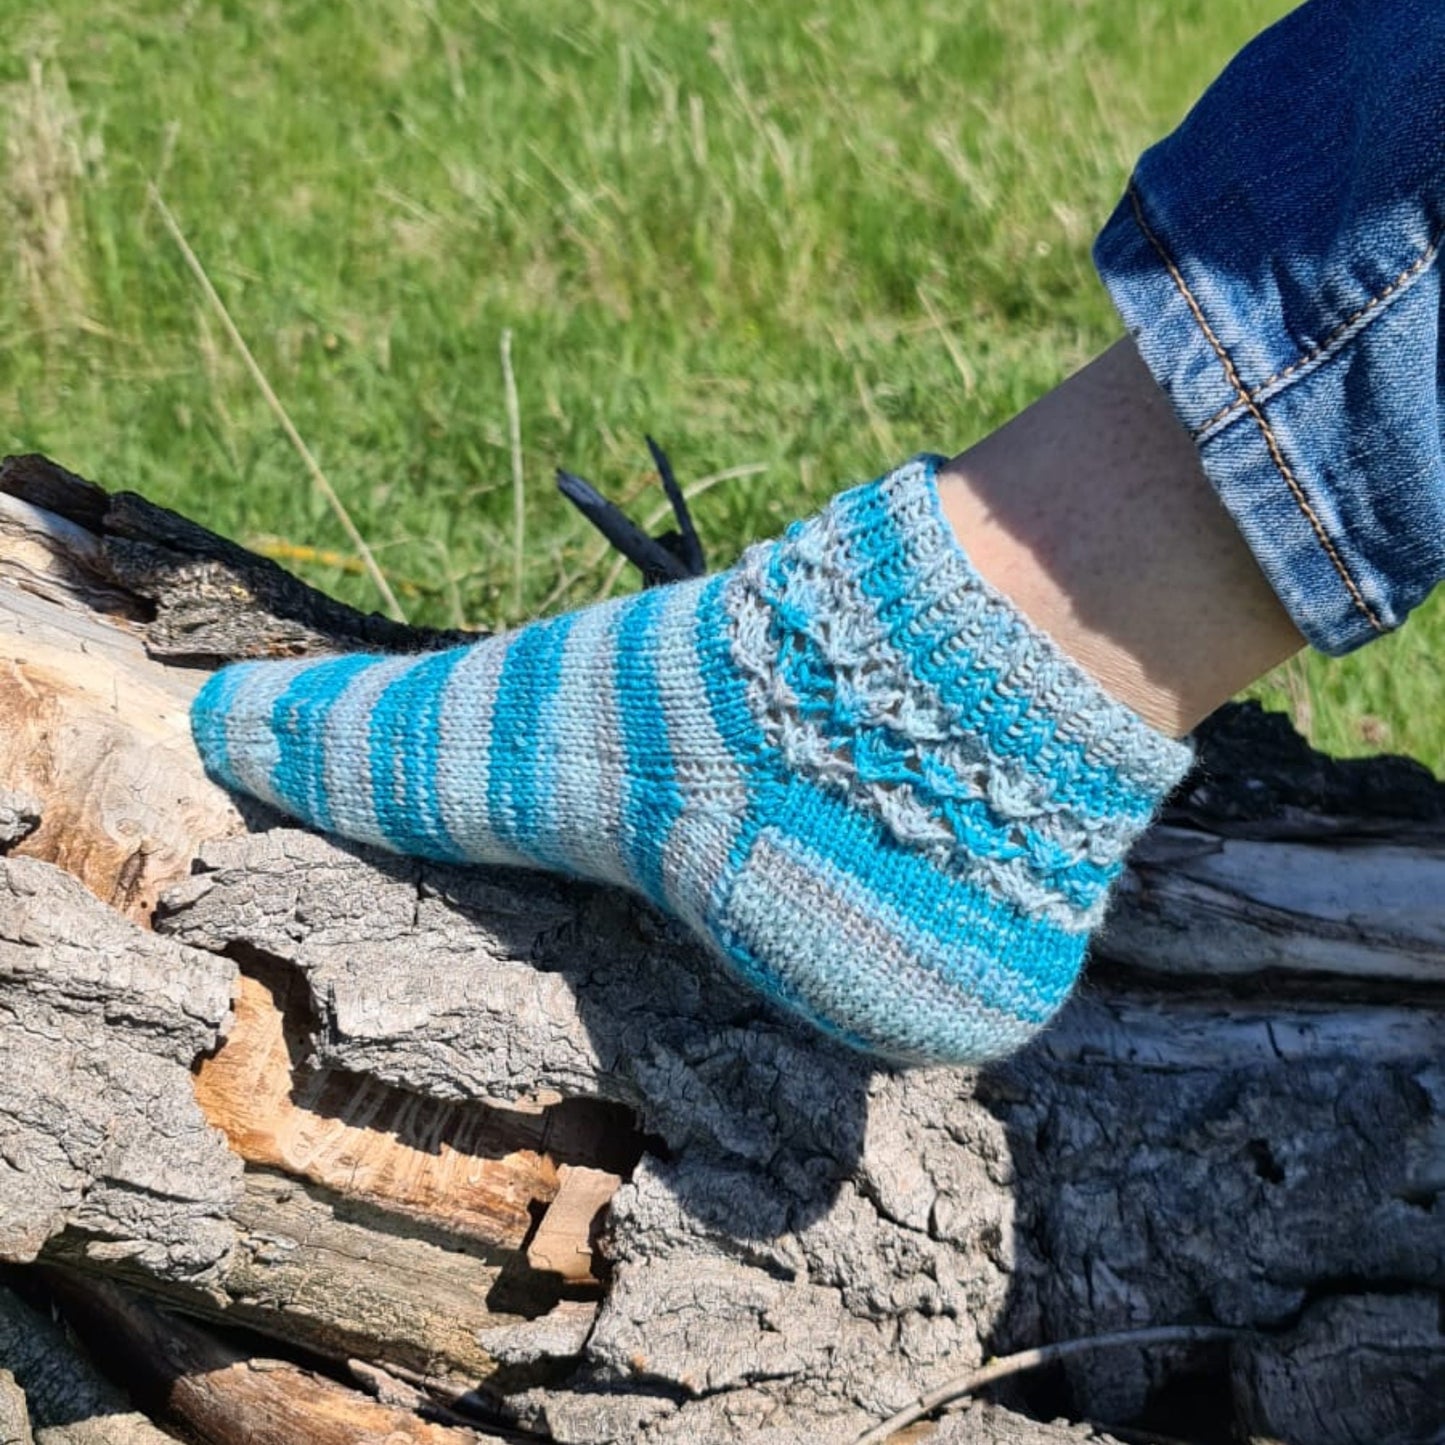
point(1277, 261)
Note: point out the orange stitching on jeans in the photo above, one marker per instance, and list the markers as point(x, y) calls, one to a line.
point(1425, 259)
point(1247, 401)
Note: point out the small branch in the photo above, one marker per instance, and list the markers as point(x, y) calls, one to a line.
point(1001, 1369)
point(277, 410)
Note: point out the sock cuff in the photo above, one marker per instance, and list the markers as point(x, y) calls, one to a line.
point(1026, 695)
point(887, 669)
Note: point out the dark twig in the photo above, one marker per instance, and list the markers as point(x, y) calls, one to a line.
point(656, 563)
point(691, 545)
point(672, 557)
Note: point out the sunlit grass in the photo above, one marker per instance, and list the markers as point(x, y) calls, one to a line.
point(795, 244)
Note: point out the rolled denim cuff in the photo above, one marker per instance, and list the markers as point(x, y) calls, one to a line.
point(1274, 439)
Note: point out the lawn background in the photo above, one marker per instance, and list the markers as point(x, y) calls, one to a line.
point(797, 242)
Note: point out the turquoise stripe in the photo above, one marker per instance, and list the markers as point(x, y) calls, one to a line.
point(887, 757)
point(651, 800)
point(514, 800)
point(212, 707)
point(963, 933)
point(467, 737)
point(404, 755)
point(298, 719)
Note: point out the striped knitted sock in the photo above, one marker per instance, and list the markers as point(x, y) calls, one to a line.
point(848, 764)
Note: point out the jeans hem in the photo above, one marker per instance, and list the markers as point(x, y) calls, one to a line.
point(1245, 447)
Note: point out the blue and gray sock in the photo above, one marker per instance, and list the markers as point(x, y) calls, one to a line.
point(848, 764)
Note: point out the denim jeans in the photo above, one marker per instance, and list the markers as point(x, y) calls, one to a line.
point(1276, 261)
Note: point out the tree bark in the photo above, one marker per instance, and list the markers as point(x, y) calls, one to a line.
point(516, 1154)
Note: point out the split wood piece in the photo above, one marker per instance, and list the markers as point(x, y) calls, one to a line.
point(227, 1397)
point(201, 598)
point(1275, 859)
point(563, 1243)
point(68, 1402)
point(343, 1282)
point(109, 1165)
point(1369, 909)
point(99, 1127)
point(98, 737)
point(97, 734)
point(465, 1171)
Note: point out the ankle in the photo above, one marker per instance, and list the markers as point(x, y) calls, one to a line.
point(1091, 513)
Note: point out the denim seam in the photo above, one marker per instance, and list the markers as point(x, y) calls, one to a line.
point(1251, 405)
point(1339, 334)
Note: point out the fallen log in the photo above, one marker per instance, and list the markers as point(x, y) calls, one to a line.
point(519, 1148)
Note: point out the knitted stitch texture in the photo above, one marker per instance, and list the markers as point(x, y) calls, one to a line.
point(849, 765)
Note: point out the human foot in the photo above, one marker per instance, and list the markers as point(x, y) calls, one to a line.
point(849, 764)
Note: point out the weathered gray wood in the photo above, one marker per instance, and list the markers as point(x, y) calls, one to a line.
point(846, 1236)
point(14, 1414)
point(342, 1286)
point(202, 596)
point(1196, 902)
point(1341, 1396)
point(807, 1243)
point(99, 1128)
point(107, 1163)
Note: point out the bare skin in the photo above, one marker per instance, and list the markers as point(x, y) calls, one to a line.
point(1091, 513)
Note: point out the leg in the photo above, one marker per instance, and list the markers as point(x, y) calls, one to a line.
point(1277, 262)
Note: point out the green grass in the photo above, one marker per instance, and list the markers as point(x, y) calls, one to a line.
point(795, 244)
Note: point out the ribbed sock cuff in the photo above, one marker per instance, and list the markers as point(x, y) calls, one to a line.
point(887, 667)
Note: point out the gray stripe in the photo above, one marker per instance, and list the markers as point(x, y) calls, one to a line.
point(250, 737)
point(346, 759)
point(588, 739)
point(464, 755)
point(856, 972)
point(712, 783)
